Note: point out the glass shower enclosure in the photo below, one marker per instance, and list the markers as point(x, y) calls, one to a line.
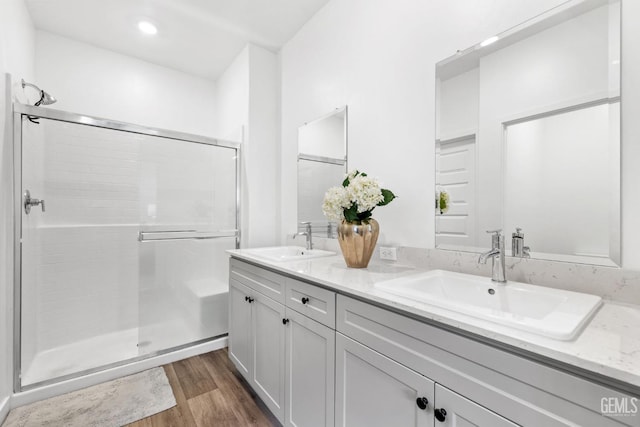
point(120, 238)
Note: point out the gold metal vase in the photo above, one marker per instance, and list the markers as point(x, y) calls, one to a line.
point(357, 241)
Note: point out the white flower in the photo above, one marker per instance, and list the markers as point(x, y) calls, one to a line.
point(351, 175)
point(365, 192)
point(355, 201)
point(336, 199)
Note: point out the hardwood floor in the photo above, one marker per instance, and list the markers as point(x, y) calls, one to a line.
point(209, 392)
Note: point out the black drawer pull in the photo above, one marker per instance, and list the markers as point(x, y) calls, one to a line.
point(422, 402)
point(441, 414)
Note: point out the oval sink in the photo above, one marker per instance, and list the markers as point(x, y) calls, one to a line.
point(553, 313)
point(287, 253)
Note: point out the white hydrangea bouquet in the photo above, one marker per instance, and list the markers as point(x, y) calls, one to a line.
point(354, 201)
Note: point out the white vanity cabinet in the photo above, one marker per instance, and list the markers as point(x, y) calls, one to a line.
point(456, 411)
point(374, 390)
point(310, 362)
point(240, 327)
point(256, 343)
point(317, 358)
point(476, 384)
point(282, 340)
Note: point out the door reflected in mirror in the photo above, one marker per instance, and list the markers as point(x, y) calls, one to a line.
point(528, 136)
point(322, 162)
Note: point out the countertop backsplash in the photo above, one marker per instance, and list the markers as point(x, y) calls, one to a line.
point(611, 283)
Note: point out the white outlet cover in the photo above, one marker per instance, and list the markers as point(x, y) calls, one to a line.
point(388, 253)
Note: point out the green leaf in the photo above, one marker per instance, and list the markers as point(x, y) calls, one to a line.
point(362, 216)
point(351, 214)
point(388, 197)
point(345, 183)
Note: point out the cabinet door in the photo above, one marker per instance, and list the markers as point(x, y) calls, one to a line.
point(461, 412)
point(373, 390)
point(268, 353)
point(310, 374)
point(240, 328)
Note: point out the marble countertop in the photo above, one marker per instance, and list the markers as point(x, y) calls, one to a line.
point(608, 345)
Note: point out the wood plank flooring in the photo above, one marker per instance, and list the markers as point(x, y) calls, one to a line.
point(209, 391)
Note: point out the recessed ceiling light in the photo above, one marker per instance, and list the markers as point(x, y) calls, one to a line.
point(147, 27)
point(490, 40)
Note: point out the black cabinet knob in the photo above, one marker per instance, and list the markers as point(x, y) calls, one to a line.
point(285, 321)
point(248, 299)
point(441, 414)
point(305, 300)
point(422, 402)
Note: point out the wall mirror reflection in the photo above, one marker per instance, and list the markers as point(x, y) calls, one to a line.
point(528, 138)
point(322, 162)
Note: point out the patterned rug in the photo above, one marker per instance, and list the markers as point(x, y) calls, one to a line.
point(111, 404)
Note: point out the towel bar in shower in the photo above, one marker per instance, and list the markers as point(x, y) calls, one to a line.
point(153, 236)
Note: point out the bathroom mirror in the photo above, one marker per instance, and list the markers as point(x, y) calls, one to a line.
point(528, 136)
point(322, 163)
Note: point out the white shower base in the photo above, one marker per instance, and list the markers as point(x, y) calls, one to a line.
point(58, 388)
point(82, 355)
point(104, 350)
point(168, 323)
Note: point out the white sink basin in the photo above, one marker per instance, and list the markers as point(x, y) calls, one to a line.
point(287, 253)
point(544, 311)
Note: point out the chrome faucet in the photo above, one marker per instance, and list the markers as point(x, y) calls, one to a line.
point(307, 233)
point(497, 256)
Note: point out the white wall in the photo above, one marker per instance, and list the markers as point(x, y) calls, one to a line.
point(16, 57)
point(232, 97)
point(378, 57)
point(248, 99)
point(98, 82)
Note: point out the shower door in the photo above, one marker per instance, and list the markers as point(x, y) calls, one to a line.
point(188, 220)
point(120, 244)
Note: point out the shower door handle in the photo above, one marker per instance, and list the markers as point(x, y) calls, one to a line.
point(29, 202)
point(156, 236)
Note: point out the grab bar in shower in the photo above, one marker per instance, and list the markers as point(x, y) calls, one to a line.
point(151, 236)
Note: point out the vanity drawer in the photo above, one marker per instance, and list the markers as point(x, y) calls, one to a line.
point(523, 391)
point(260, 280)
point(317, 303)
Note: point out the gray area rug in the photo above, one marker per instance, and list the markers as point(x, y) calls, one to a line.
point(111, 404)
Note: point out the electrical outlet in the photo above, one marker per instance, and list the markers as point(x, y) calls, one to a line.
point(388, 253)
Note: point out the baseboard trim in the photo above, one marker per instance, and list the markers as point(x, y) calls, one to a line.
point(4, 409)
point(45, 392)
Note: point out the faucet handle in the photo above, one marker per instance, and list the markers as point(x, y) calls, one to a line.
point(497, 239)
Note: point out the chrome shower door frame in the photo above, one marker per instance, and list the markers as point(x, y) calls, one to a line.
point(20, 113)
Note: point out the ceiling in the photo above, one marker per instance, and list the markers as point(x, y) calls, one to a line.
point(200, 37)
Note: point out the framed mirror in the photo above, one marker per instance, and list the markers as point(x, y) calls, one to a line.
point(528, 138)
point(322, 163)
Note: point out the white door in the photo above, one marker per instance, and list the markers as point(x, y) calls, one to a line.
point(268, 352)
point(373, 390)
point(455, 174)
point(453, 410)
point(240, 327)
point(310, 374)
